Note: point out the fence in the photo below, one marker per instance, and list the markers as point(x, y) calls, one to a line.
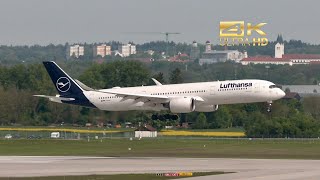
point(63, 134)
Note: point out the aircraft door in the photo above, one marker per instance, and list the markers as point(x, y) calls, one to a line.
point(212, 90)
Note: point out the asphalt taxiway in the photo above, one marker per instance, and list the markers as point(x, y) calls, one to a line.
point(245, 169)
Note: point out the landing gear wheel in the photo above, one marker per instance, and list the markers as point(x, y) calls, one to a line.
point(269, 106)
point(174, 117)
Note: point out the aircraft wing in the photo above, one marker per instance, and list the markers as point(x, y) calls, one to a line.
point(140, 97)
point(147, 97)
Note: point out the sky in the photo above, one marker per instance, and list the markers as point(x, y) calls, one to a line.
point(29, 22)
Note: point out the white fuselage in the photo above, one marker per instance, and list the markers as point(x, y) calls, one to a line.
point(210, 93)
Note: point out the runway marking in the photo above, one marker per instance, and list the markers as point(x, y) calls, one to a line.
point(246, 169)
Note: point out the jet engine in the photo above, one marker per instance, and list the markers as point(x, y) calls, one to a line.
point(182, 105)
point(207, 108)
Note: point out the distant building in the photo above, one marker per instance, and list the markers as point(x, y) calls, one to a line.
point(279, 50)
point(150, 52)
point(303, 58)
point(133, 49)
point(127, 50)
point(195, 51)
point(208, 46)
point(180, 58)
point(213, 56)
point(265, 60)
point(75, 51)
point(303, 90)
point(292, 95)
point(102, 50)
point(280, 58)
point(145, 131)
point(124, 50)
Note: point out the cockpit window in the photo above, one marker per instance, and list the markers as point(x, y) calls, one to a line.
point(273, 86)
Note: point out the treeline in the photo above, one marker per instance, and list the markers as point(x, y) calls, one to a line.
point(289, 118)
point(10, 55)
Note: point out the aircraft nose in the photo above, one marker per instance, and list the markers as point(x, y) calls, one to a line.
point(281, 94)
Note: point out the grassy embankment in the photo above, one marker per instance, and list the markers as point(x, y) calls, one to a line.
point(212, 148)
point(45, 131)
point(188, 146)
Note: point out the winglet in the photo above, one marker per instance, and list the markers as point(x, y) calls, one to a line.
point(156, 82)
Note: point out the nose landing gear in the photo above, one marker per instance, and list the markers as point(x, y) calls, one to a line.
point(269, 106)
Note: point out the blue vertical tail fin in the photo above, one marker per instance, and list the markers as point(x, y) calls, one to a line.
point(70, 91)
point(64, 84)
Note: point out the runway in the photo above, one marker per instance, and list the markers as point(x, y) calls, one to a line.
point(245, 169)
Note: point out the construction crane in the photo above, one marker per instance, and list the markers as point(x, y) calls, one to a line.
point(167, 40)
point(166, 36)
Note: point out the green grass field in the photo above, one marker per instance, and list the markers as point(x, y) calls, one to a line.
point(74, 133)
point(115, 177)
point(168, 147)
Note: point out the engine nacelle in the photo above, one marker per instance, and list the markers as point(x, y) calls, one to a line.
point(207, 108)
point(182, 105)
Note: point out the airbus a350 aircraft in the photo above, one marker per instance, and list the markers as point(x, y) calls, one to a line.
point(177, 98)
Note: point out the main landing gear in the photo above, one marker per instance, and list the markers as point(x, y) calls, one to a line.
point(163, 117)
point(269, 106)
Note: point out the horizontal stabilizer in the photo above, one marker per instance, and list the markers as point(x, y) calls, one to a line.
point(56, 98)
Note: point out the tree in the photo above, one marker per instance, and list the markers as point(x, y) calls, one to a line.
point(201, 122)
point(256, 125)
point(156, 56)
point(312, 106)
point(238, 115)
point(116, 73)
point(221, 118)
point(160, 77)
point(176, 76)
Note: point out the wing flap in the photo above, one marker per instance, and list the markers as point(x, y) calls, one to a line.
point(146, 97)
point(140, 97)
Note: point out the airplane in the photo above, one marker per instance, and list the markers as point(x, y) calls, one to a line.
point(176, 98)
